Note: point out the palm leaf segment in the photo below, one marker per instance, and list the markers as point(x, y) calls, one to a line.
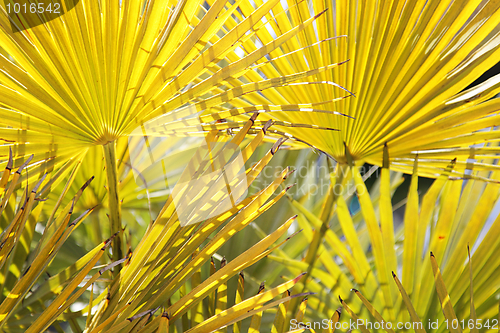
point(160, 264)
point(104, 69)
point(164, 270)
point(410, 65)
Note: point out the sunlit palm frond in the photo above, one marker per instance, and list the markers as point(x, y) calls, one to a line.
point(102, 72)
point(99, 72)
point(413, 67)
point(164, 270)
point(160, 264)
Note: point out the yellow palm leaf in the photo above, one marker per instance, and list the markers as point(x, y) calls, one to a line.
point(101, 73)
point(411, 66)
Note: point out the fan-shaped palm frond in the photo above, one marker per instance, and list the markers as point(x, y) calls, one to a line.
point(163, 270)
point(101, 72)
point(412, 65)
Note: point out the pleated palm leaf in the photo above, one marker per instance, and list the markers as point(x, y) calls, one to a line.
point(411, 65)
point(99, 72)
point(89, 79)
point(408, 272)
point(163, 271)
